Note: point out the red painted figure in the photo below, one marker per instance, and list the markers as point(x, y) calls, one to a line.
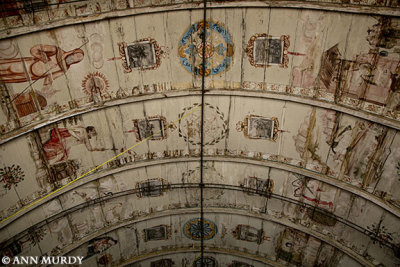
point(47, 62)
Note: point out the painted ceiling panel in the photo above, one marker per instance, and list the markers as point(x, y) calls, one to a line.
point(108, 149)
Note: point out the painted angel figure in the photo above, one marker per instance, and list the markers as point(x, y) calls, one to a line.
point(48, 62)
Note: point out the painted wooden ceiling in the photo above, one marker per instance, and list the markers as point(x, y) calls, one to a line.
point(100, 126)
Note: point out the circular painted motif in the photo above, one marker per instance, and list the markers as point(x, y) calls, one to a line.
point(192, 229)
point(95, 83)
point(215, 127)
point(218, 51)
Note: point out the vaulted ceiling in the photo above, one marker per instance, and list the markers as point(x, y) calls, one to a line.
point(116, 143)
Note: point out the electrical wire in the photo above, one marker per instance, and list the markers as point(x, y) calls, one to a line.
point(203, 71)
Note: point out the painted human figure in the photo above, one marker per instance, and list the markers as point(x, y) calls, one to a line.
point(57, 148)
point(48, 62)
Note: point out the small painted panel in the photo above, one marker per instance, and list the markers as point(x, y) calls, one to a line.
point(99, 245)
point(218, 51)
point(159, 232)
point(205, 262)
point(290, 246)
point(144, 54)
point(330, 68)
point(249, 233)
point(153, 128)
point(239, 264)
point(162, 263)
point(151, 187)
point(321, 216)
point(257, 186)
point(192, 229)
point(215, 125)
point(257, 127)
point(25, 103)
point(264, 50)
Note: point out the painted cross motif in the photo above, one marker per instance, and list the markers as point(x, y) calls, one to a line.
point(264, 50)
point(11, 175)
point(218, 51)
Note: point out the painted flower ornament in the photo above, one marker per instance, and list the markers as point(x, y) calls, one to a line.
point(11, 175)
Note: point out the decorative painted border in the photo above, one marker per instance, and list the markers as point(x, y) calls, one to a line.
point(157, 49)
point(250, 192)
point(242, 126)
point(212, 142)
point(163, 188)
point(250, 50)
point(211, 25)
point(196, 221)
point(167, 228)
point(261, 236)
point(164, 127)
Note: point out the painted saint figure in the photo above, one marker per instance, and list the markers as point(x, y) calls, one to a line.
point(57, 148)
point(48, 62)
